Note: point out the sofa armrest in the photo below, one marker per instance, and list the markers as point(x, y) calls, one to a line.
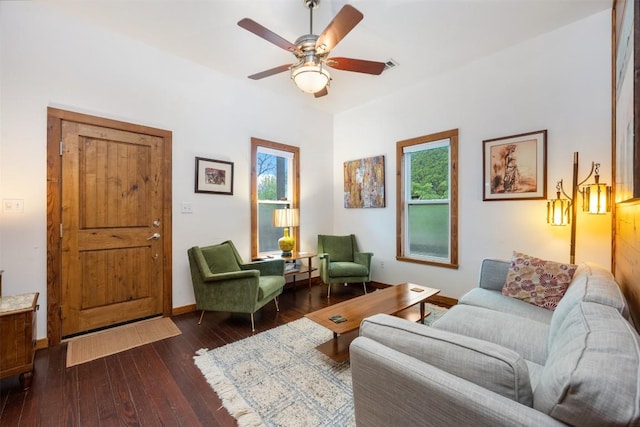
point(392, 388)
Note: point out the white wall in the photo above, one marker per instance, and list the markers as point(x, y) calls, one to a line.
point(559, 81)
point(48, 59)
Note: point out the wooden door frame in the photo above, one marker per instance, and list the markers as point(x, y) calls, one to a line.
point(54, 210)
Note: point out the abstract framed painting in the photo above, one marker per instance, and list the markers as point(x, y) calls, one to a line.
point(515, 167)
point(364, 183)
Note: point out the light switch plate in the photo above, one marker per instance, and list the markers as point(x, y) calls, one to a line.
point(186, 208)
point(14, 206)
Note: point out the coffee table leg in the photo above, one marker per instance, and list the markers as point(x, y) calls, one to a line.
point(422, 312)
point(335, 335)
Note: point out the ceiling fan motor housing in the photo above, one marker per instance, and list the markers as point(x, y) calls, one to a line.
point(307, 43)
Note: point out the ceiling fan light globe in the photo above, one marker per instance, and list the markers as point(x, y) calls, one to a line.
point(310, 78)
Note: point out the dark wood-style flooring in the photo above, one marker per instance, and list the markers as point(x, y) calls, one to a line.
point(154, 385)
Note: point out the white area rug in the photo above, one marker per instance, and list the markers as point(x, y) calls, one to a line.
point(278, 378)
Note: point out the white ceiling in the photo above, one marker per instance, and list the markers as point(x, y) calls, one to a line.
point(425, 37)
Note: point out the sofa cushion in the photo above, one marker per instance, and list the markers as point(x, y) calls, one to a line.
point(535, 372)
point(493, 273)
point(494, 367)
point(592, 374)
point(600, 287)
point(494, 300)
point(524, 336)
point(590, 284)
point(537, 281)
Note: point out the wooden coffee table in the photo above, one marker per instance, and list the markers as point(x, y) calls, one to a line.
point(391, 300)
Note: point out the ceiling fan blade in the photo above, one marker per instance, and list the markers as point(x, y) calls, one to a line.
point(322, 92)
point(357, 65)
point(270, 72)
point(268, 35)
point(342, 23)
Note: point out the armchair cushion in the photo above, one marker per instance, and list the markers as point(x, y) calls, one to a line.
point(347, 269)
point(340, 248)
point(221, 258)
point(269, 285)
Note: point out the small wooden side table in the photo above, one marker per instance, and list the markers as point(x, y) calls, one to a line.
point(301, 269)
point(18, 336)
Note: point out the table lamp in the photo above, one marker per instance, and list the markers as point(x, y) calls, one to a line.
point(286, 218)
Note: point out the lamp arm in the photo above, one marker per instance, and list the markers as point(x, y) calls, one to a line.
point(593, 166)
point(561, 188)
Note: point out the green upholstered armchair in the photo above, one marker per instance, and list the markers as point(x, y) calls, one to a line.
point(342, 262)
point(222, 282)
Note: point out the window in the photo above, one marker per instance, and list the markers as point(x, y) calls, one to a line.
point(274, 185)
point(427, 202)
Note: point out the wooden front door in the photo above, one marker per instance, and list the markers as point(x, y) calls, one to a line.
point(113, 214)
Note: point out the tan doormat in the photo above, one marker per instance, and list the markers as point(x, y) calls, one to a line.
point(104, 343)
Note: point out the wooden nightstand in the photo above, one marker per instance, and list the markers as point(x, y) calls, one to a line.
point(18, 336)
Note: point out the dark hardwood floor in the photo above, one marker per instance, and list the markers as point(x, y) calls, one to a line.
point(154, 385)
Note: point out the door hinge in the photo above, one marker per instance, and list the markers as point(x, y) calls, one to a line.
point(61, 147)
point(61, 230)
point(60, 312)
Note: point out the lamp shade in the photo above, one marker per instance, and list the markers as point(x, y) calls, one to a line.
point(310, 78)
point(286, 218)
point(597, 198)
point(558, 211)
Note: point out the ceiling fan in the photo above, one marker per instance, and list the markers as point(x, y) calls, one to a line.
point(310, 72)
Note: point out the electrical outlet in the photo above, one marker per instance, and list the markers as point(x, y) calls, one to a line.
point(382, 265)
point(186, 208)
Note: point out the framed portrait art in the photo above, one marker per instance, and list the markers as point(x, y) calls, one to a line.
point(515, 167)
point(214, 176)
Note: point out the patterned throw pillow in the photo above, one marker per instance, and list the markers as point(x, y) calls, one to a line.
point(536, 281)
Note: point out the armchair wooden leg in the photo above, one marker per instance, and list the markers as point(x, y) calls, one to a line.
point(253, 325)
point(276, 301)
point(201, 316)
point(328, 290)
point(364, 285)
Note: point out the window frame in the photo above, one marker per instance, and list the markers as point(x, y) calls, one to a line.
point(256, 143)
point(402, 202)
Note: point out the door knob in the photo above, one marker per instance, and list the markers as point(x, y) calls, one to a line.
point(154, 236)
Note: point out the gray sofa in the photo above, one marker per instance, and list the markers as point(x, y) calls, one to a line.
point(498, 361)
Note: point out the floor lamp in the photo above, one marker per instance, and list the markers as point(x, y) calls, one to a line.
point(596, 199)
